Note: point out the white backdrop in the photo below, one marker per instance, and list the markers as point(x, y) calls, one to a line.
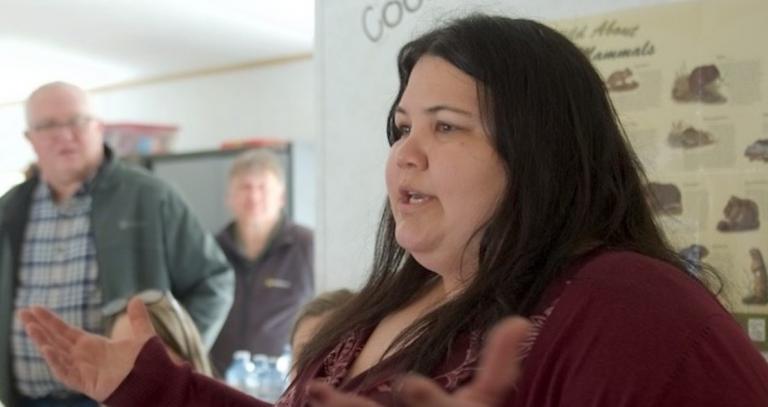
point(356, 82)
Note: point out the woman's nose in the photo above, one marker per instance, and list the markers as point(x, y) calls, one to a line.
point(411, 153)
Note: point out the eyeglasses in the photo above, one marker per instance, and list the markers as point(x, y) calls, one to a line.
point(75, 124)
point(117, 306)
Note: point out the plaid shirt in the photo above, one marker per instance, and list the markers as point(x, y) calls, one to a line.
point(58, 270)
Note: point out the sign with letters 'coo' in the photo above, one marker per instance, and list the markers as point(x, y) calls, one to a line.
point(376, 19)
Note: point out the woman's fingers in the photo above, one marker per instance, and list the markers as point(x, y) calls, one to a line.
point(43, 337)
point(323, 395)
point(418, 391)
point(57, 357)
point(53, 325)
point(141, 324)
point(499, 366)
point(33, 328)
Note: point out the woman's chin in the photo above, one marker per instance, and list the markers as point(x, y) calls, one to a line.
point(414, 243)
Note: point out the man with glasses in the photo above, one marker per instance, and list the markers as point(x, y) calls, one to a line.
point(87, 230)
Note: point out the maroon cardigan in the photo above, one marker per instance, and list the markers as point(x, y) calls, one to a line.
point(618, 330)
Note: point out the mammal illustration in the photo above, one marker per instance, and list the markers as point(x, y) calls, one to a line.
point(685, 136)
point(740, 214)
point(694, 254)
point(757, 150)
point(758, 292)
point(665, 198)
point(701, 84)
point(621, 80)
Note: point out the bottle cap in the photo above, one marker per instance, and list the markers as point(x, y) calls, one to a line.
point(242, 354)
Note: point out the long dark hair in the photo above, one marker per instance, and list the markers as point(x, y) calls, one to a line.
point(574, 183)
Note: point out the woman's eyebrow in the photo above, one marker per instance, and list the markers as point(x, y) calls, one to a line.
point(437, 108)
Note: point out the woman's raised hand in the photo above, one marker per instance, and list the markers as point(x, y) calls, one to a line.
point(87, 363)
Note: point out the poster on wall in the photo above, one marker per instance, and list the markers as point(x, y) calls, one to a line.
point(689, 83)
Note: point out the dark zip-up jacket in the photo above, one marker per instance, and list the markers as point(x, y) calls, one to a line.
point(269, 292)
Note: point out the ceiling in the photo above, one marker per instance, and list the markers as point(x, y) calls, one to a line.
point(97, 43)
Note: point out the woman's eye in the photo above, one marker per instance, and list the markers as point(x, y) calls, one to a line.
point(445, 127)
point(404, 130)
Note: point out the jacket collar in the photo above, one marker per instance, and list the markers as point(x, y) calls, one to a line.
point(16, 214)
point(228, 239)
point(103, 179)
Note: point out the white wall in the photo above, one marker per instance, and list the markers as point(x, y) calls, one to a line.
point(356, 82)
point(272, 101)
point(15, 152)
point(268, 101)
point(275, 101)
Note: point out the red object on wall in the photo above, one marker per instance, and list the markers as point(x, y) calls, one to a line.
point(253, 143)
point(132, 139)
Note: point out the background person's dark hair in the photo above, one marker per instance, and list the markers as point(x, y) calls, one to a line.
point(573, 184)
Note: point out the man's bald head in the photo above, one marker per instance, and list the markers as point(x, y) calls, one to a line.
point(51, 92)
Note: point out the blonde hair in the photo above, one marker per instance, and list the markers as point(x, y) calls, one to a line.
point(257, 162)
point(177, 330)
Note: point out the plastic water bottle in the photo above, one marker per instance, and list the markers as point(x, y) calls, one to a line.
point(272, 384)
point(253, 382)
point(239, 370)
point(261, 361)
point(284, 362)
point(256, 378)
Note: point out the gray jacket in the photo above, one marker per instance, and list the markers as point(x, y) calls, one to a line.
point(145, 237)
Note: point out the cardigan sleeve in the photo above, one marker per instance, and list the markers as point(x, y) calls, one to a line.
point(721, 368)
point(157, 381)
point(632, 331)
